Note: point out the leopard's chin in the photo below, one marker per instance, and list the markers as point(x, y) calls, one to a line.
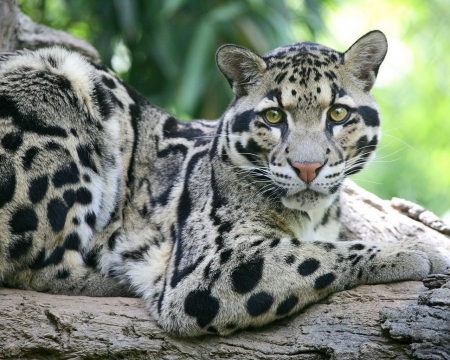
point(307, 200)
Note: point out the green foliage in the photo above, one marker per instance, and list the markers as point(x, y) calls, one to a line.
point(165, 49)
point(171, 44)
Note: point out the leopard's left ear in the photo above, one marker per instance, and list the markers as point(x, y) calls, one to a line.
point(240, 66)
point(364, 57)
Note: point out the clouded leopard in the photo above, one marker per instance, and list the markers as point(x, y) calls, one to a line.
point(217, 225)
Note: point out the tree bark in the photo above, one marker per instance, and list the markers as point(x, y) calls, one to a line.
point(17, 31)
point(389, 321)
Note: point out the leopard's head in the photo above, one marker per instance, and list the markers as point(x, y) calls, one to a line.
point(303, 118)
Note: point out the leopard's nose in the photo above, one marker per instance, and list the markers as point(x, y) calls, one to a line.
point(307, 171)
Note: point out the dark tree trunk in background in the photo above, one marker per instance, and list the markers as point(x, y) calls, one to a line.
point(391, 321)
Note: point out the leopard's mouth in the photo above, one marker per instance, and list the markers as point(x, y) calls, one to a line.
point(306, 200)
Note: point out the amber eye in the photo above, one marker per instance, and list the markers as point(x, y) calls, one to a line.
point(338, 113)
point(274, 116)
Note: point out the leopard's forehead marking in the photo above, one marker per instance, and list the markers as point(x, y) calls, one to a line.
point(306, 72)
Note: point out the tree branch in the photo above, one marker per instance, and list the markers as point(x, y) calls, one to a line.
point(17, 31)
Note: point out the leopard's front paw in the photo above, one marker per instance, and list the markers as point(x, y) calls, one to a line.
point(438, 257)
point(440, 260)
point(412, 261)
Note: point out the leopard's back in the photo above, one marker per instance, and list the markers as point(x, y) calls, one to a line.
point(66, 141)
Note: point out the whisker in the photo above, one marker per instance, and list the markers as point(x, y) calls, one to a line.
point(405, 143)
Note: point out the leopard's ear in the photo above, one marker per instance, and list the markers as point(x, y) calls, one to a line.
point(240, 66)
point(364, 57)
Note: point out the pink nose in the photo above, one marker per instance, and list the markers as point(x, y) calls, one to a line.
point(307, 171)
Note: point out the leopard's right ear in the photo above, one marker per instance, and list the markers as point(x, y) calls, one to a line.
point(364, 58)
point(240, 66)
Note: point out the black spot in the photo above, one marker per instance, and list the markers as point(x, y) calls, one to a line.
point(324, 280)
point(308, 267)
point(103, 99)
point(253, 147)
point(170, 126)
point(56, 214)
point(279, 78)
point(135, 255)
point(295, 242)
point(225, 256)
point(351, 122)
point(356, 260)
point(328, 246)
point(257, 243)
point(12, 141)
point(242, 121)
point(369, 115)
point(38, 188)
point(29, 156)
point(109, 82)
point(90, 219)
point(86, 158)
point(56, 256)
point(91, 258)
point(246, 152)
point(72, 241)
point(31, 121)
point(74, 132)
point(274, 243)
point(84, 196)
point(212, 329)
point(335, 188)
point(62, 273)
point(69, 197)
point(181, 274)
point(290, 259)
point(259, 303)
point(23, 220)
point(51, 60)
point(287, 305)
point(86, 178)
point(38, 262)
point(247, 275)
point(20, 246)
point(326, 217)
point(362, 142)
point(173, 129)
point(113, 239)
point(67, 175)
point(351, 257)
point(51, 145)
point(356, 247)
point(201, 305)
point(7, 181)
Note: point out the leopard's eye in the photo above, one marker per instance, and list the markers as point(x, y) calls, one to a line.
point(338, 113)
point(274, 116)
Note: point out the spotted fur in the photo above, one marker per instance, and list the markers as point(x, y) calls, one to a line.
point(213, 223)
